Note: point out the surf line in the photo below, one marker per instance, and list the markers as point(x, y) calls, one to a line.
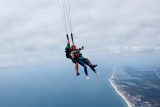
point(118, 91)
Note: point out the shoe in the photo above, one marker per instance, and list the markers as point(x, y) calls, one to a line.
point(78, 73)
point(95, 66)
point(88, 78)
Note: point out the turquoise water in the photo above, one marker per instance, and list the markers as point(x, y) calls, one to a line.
point(45, 86)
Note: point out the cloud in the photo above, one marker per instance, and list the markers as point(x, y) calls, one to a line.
point(142, 49)
point(32, 32)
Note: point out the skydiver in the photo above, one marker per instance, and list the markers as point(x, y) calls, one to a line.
point(76, 56)
point(68, 51)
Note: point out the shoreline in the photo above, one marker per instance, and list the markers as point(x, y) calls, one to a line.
point(118, 92)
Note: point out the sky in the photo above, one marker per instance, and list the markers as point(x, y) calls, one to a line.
point(31, 31)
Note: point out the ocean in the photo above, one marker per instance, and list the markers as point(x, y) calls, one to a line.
point(47, 86)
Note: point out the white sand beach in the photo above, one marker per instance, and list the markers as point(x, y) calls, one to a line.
point(119, 92)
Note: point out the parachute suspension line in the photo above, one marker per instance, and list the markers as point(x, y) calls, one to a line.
point(69, 14)
point(63, 17)
point(65, 9)
point(68, 11)
point(66, 17)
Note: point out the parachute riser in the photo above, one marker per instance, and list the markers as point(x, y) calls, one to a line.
point(72, 38)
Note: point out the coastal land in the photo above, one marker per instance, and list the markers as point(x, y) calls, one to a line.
point(138, 87)
point(120, 93)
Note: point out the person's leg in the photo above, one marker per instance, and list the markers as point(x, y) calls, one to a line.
point(82, 63)
point(76, 67)
point(89, 64)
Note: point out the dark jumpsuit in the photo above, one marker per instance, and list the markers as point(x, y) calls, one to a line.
point(84, 62)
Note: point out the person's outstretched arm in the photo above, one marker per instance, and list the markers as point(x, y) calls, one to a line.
point(81, 48)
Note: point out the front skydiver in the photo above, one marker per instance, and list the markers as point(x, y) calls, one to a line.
point(77, 57)
point(68, 51)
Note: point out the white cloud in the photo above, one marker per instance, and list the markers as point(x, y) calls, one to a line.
point(31, 31)
point(142, 49)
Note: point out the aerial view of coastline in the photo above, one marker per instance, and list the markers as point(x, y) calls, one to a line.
point(120, 93)
point(79, 53)
point(138, 87)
